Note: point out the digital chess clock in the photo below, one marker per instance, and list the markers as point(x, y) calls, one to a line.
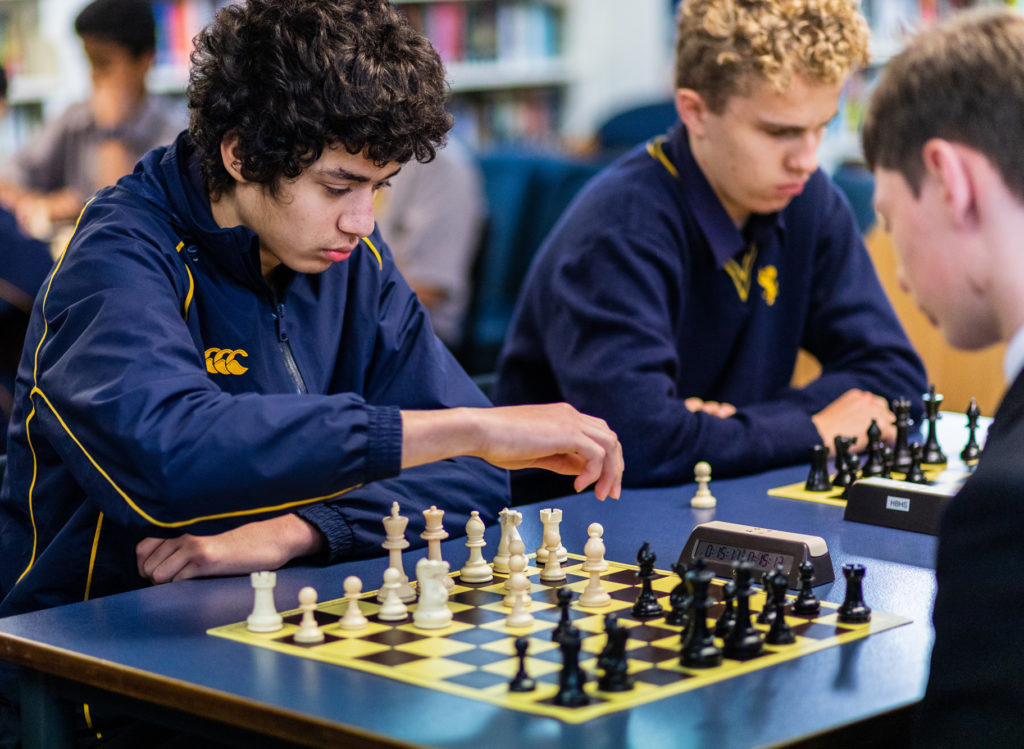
point(722, 545)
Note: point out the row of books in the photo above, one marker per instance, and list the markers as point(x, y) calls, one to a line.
point(892, 21)
point(484, 120)
point(490, 30)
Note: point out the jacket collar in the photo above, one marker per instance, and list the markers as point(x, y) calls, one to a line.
point(235, 248)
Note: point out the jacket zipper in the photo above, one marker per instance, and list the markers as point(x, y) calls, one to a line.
point(286, 350)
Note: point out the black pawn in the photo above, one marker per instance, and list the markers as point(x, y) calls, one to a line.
point(854, 610)
point(887, 453)
point(971, 451)
point(780, 632)
point(646, 606)
point(679, 599)
point(932, 454)
point(767, 612)
point(699, 648)
point(901, 450)
point(564, 600)
point(806, 603)
point(612, 659)
point(914, 473)
point(844, 476)
point(571, 678)
point(875, 464)
point(817, 478)
point(727, 620)
point(522, 682)
point(745, 640)
point(852, 460)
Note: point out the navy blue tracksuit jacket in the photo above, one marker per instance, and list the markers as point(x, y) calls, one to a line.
point(166, 388)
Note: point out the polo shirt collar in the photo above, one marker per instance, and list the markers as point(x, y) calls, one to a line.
point(724, 239)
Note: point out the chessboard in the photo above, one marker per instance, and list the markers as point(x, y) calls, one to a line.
point(946, 479)
point(475, 657)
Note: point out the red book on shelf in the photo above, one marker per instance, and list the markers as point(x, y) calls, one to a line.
point(194, 17)
point(446, 27)
point(181, 40)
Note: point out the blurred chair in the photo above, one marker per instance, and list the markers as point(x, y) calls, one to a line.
point(623, 130)
point(859, 186)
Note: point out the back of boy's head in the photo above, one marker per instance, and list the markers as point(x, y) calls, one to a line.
point(961, 80)
point(291, 77)
point(724, 47)
point(128, 23)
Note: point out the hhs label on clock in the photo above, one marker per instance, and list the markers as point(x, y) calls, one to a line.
point(900, 504)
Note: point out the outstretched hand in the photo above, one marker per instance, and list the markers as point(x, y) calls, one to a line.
point(552, 436)
point(559, 438)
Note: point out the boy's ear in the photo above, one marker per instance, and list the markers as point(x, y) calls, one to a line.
point(231, 156)
point(692, 109)
point(943, 163)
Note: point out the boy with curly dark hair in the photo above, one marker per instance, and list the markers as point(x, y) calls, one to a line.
point(226, 350)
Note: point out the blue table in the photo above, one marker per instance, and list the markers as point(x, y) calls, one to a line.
point(150, 646)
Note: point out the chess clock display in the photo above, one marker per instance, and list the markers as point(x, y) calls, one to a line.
point(722, 545)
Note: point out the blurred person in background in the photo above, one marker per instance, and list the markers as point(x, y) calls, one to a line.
point(433, 216)
point(98, 140)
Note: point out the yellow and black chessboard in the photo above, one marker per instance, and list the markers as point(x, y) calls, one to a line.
point(475, 655)
point(949, 478)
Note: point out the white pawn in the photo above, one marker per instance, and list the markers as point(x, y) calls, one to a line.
point(552, 572)
point(703, 498)
point(432, 611)
point(353, 618)
point(309, 630)
point(509, 520)
point(392, 608)
point(520, 615)
point(517, 580)
point(476, 569)
point(264, 616)
point(594, 595)
point(516, 547)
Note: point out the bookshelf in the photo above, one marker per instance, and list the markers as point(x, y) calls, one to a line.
point(542, 72)
point(546, 72)
point(505, 62)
